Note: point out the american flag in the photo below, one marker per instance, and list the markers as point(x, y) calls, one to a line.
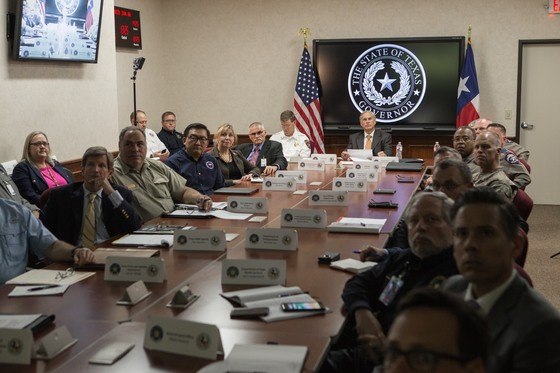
point(306, 103)
point(468, 95)
point(89, 15)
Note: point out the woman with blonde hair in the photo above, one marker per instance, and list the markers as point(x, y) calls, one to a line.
point(37, 171)
point(235, 167)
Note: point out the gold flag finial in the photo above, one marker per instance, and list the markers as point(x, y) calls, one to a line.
point(469, 32)
point(305, 32)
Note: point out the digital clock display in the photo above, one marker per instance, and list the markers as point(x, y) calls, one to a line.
point(127, 28)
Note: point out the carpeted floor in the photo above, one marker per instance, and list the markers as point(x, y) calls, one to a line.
point(544, 240)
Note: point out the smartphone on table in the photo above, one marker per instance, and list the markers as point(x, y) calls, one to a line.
point(303, 307)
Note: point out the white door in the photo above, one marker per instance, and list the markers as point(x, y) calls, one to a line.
point(539, 118)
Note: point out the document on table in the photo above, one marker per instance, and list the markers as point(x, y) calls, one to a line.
point(17, 321)
point(215, 206)
point(155, 240)
point(27, 291)
point(49, 277)
point(357, 225)
point(221, 214)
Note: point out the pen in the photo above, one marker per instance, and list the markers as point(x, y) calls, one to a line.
point(43, 287)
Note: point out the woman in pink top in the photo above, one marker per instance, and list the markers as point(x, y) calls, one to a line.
point(37, 171)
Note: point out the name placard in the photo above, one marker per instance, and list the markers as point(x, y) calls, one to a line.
point(253, 272)
point(15, 346)
point(55, 343)
point(271, 239)
point(351, 185)
point(367, 166)
point(279, 183)
point(311, 165)
point(199, 240)
point(300, 176)
point(134, 294)
point(182, 337)
point(327, 158)
point(383, 161)
point(304, 218)
point(134, 269)
point(328, 198)
point(254, 205)
point(369, 175)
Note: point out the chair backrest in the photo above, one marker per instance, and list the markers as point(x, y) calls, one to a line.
point(523, 273)
point(520, 260)
point(9, 166)
point(523, 203)
point(524, 163)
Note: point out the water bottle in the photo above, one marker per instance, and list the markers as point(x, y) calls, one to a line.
point(436, 146)
point(399, 150)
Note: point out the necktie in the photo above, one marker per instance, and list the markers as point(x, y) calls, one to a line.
point(368, 142)
point(88, 229)
point(253, 159)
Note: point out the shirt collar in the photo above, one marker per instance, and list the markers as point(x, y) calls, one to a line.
point(87, 191)
point(487, 301)
point(371, 134)
point(127, 169)
point(258, 146)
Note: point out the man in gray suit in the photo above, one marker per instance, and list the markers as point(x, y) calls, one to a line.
point(524, 327)
point(375, 139)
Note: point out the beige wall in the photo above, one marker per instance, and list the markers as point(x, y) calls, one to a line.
point(236, 61)
point(75, 104)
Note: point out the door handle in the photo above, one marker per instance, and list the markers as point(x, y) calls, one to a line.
point(526, 126)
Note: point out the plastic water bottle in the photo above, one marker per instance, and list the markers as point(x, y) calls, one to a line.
point(399, 150)
point(436, 146)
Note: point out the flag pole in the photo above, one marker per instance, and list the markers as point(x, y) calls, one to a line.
point(305, 32)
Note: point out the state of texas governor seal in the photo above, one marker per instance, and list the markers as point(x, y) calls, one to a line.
point(388, 80)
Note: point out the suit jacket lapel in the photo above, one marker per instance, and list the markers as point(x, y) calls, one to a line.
point(360, 140)
point(39, 176)
point(499, 317)
point(77, 207)
point(376, 141)
point(263, 153)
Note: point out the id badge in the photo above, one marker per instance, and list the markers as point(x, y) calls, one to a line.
point(392, 288)
point(263, 162)
point(11, 189)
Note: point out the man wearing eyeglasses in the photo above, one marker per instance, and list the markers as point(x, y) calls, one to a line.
point(463, 142)
point(156, 149)
point(172, 139)
point(201, 169)
point(524, 327)
point(266, 154)
point(436, 332)
point(21, 232)
point(155, 186)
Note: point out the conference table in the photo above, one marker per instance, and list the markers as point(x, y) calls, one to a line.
point(88, 308)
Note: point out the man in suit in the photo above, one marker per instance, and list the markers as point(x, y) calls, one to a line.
point(524, 327)
point(263, 153)
point(70, 215)
point(375, 139)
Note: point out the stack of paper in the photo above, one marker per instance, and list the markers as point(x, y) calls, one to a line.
point(352, 265)
point(357, 225)
point(49, 277)
point(222, 214)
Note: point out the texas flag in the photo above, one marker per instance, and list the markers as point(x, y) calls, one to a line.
point(467, 96)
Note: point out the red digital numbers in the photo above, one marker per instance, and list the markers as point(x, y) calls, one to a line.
point(135, 23)
point(136, 39)
point(124, 29)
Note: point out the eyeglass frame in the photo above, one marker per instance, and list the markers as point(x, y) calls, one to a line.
point(258, 133)
point(464, 138)
point(448, 185)
point(435, 357)
point(62, 275)
point(40, 143)
point(196, 139)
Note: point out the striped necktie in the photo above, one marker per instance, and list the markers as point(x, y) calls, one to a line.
point(255, 156)
point(88, 229)
point(368, 142)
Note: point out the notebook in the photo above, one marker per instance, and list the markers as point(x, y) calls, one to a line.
point(240, 191)
point(400, 166)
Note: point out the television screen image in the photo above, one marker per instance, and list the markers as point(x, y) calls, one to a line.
point(63, 30)
point(409, 83)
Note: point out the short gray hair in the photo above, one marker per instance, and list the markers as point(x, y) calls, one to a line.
point(446, 204)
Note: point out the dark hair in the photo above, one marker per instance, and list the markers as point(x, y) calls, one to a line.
point(446, 149)
point(464, 170)
point(136, 112)
point(287, 115)
point(509, 217)
point(499, 126)
point(166, 114)
point(472, 130)
point(95, 151)
point(472, 336)
point(129, 128)
point(196, 126)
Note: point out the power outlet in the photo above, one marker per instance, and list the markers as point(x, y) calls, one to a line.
point(508, 114)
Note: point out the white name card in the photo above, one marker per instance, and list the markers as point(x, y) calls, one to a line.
point(254, 205)
point(253, 272)
point(367, 166)
point(55, 343)
point(15, 346)
point(369, 175)
point(300, 176)
point(134, 269)
point(182, 337)
point(303, 218)
point(279, 183)
point(311, 165)
point(383, 161)
point(134, 294)
point(327, 158)
point(199, 240)
point(351, 185)
point(328, 198)
point(271, 239)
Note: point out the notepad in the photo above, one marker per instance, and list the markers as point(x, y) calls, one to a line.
point(352, 265)
point(49, 277)
point(357, 225)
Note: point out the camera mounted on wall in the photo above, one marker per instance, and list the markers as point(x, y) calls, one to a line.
point(138, 63)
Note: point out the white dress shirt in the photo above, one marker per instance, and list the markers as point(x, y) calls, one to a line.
point(293, 146)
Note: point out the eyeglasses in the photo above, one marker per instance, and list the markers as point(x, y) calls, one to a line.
point(170, 120)
point(418, 359)
point(141, 122)
point(194, 138)
point(62, 275)
point(258, 133)
point(462, 138)
point(39, 143)
point(448, 185)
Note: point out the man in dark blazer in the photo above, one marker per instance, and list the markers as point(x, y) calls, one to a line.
point(379, 141)
point(524, 327)
point(263, 153)
point(66, 207)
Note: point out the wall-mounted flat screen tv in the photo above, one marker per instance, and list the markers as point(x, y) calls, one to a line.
point(58, 30)
point(410, 83)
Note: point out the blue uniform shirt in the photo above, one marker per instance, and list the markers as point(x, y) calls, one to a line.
point(20, 231)
point(203, 175)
